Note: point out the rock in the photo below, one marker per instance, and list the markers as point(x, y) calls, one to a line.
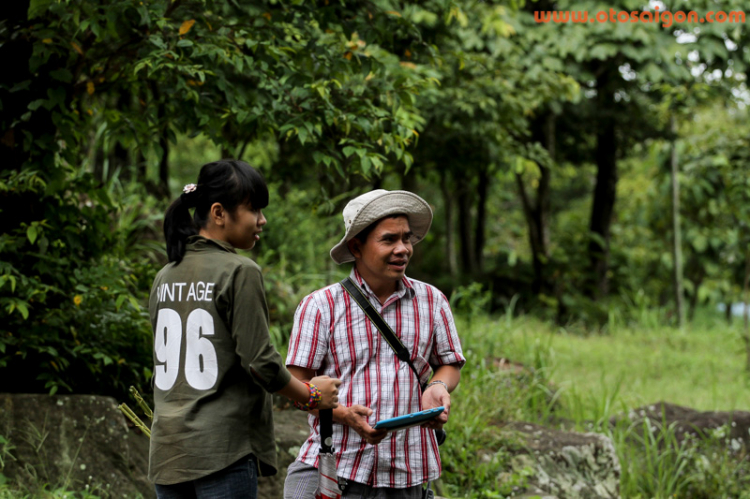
point(564, 464)
point(73, 441)
point(687, 421)
point(85, 440)
point(291, 430)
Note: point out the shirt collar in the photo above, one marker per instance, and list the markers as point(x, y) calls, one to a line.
point(200, 243)
point(403, 287)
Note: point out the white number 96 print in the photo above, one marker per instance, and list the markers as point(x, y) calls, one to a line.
point(201, 365)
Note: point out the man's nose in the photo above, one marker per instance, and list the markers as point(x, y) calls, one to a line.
point(403, 247)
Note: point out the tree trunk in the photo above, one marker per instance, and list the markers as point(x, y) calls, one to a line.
point(538, 238)
point(604, 192)
point(450, 249)
point(479, 239)
point(536, 212)
point(677, 239)
point(728, 313)
point(161, 117)
point(746, 312)
point(164, 164)
point(464, 227)
point(693, 304)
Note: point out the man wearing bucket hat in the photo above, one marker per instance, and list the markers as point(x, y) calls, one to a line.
point(332, 335)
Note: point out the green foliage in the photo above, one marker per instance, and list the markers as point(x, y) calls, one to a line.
point(71, 304)
point(294, 263)
point(76, 266)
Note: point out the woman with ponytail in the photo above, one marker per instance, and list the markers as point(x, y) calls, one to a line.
point(214, 366)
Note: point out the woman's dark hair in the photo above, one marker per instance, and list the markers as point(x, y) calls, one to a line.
point(229, 182)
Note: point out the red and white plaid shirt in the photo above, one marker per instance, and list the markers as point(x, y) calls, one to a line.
point(333, 336)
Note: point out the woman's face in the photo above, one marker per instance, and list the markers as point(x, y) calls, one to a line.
point(243, 227)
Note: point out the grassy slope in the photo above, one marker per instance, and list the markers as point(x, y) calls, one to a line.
point(599, 375)
point(701, 367)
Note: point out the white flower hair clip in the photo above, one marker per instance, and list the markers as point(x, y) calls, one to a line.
point(189, 188)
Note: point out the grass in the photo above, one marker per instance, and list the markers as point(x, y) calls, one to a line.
point(701, 367)
point(590, 377)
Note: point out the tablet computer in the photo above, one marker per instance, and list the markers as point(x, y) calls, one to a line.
point(409, 420)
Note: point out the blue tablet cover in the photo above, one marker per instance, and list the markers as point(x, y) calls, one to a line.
point(414, 419)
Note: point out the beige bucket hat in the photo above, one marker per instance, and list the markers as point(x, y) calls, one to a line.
point(370, 207)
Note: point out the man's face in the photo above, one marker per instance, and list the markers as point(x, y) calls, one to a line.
point(386, 252)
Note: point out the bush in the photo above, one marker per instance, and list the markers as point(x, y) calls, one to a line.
point(73, 278)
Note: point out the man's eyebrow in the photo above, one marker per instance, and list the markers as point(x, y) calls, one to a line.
point(388, 235)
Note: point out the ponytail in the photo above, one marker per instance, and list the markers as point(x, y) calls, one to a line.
point(229, 182)
point(178, 226)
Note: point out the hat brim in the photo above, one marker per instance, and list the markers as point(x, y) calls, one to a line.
point(414, 207)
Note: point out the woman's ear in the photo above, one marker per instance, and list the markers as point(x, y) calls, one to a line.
point(217, 214)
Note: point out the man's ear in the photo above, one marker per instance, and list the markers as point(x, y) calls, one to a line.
point(355, 247)
point(217, 214)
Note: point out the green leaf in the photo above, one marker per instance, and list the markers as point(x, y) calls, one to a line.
point(34, 105)
point(37, 8)
point(62, 74)
point(302, 132)
point(32, 232)
point(365, 166)
point(21, 306)
point(120, 300)
point(134, 302)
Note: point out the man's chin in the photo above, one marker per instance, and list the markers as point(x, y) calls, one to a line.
point(397, 275)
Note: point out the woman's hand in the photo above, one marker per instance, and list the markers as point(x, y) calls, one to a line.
point(329, 389)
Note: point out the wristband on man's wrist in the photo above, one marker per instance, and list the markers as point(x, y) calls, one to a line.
point(315, 397)
point(437, 382)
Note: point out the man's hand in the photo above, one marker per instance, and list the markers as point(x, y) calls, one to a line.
point(436, 396)
point(356, 417)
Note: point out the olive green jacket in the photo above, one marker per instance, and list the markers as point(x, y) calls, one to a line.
point(214, 365)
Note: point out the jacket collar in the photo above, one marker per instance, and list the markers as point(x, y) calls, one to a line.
point(200, 243)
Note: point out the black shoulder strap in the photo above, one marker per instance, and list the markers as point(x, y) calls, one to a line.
point(385, 330)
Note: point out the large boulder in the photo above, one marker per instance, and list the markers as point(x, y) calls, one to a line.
point(563, 464)
point(84, 441)
point(291, 430)
point(73, 441)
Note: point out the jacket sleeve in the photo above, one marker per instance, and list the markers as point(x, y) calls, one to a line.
point(248, 321)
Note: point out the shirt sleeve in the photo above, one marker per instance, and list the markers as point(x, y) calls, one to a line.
point(310, 335)
point(446, 348)
point(249, 326)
